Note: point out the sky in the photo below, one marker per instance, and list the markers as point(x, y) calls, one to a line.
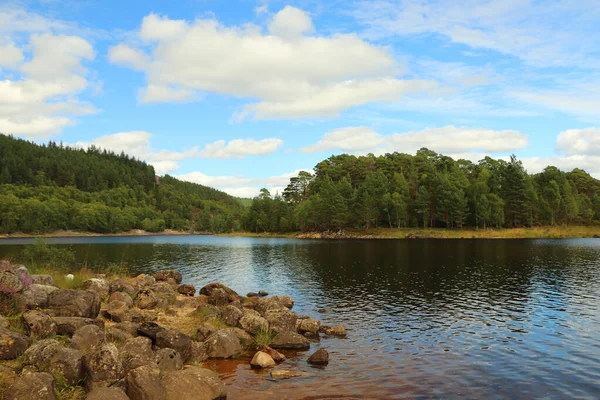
point(244, 94)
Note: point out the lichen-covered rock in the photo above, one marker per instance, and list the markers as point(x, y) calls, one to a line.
point(208, 289)
point(173, 339)
point(39, 325)
point(285, 301)
point(142, 281)
point(38, 386)
point(117, 311)
point(223, 344)
point(146, 299)
point(205, 330)
point(265, 305)
point(194, 383)
point(35, 296)
point(116, 335)
point(186, 289)
point(98, 286)
point(231, 315)
point(281, 320)
point(144, 383)
point(165, 292)
point(290, 341)
point(169, 274)
point(252, 321)
point(42, 279)
point(10, 282)
point(245, 339)
point(136, 352)
point(41, 352)
point(107, 393)
point(319, 357)
point(121, 285)
point(87, 337)
point(73, 303)
point(262, 360)
point(219, 297)
point(150, 330)
point(102, 367)
point(12, 344)
point(69, 325)
point(198, 352)
point(121, 296)
point(51, 356)
point(310, 325)
point(168, 360)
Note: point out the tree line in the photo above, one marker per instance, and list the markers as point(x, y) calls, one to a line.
point(45, 188)
point(425, 190)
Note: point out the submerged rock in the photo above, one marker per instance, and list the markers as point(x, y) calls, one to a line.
point(279, 374)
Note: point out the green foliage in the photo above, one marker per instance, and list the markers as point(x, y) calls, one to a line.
point(39, 253)
point(425, 190)
point(49, 188)
point(263, 338)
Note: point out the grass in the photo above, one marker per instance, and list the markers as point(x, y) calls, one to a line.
point(263, 338)
point(64, 391)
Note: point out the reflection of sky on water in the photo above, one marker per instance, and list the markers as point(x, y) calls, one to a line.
point(456, 318)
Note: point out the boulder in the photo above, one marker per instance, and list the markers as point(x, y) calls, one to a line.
point(121, 296)
point(319, 357)
point(35, 296)
point(219, 297)
point(144, 383)
point(41, 352)
point(275, 355)
point(23, 274)
point(169, 274)
point(121, 285)
point(262, 293)
point(279, 374)
point(310, 325)
point(223, 344)
point(231, 315)
point(164, 292)
point(69, 325)
point(4, 264)
point(285, 301)
point(252, 294)
point(73, 303)
point(107, 393)
point(205, 330)
point(186, 290)
point(12, 344)
point(168, 360)
point(39, 324)
point(42, 279)
point(116, 335)
point(150, 330)
point(198, 352)
point(251, 321)
point(262, 360)
point(145, 299)
point(142, 281)
point(7, 378)
point(208, 289)
point(98, 286)
point(88, 337)
point(117, 311)
point(38, 386)
point(135, 353)
point(194, 383)
point(265, 305)
point(67, 364)
point(10, 282)
point(290, 341)
point(245, 339)
point(335, 331)
point(281, 320)
point(129, 327)
point(173, 339)
point(102, 367)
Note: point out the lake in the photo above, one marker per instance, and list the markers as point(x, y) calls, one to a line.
point(490, 319)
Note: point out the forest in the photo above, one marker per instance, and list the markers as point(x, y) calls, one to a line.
point(54, 187)
point(426, 190)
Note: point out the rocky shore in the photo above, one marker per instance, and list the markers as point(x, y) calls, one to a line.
point(140, 338)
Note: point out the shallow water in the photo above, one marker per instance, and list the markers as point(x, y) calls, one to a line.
point(515, 319)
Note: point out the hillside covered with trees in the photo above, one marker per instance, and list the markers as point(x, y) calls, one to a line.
point(426, 190)
point(54, 187)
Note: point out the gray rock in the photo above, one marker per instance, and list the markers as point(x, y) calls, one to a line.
point(12, 344)
point(310, 325)
point(173, 339)
point(194, 383)
point(102, 367)
point(42, 279)
point(186, 289)
point(35, 296)
point(245, 339)
point(116, 335)
point(231, 315)
point(98, 286)
point(150, 330)
point(39, 324)
point(38, 386)
point(208, 289)
point(269, 304)
point(223, 344)
point(40, 353)
point(10, 282)
point(145, 299)
point(117, 311)
point(67, 364)
point(198, 352)
point(168, 360)
point(69, 325)
point(169, 274)
point(290, 341)
point(262, 293)
point(121, 296)
point(144, 383)
point(107, 393)
point(252, 321)
point(73, 303)
point(87, 337)
point(219, 297)
point(205, 330)
point(281, 320)
point(136, 352)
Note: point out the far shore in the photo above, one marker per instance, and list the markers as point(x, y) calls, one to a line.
point(547, 232)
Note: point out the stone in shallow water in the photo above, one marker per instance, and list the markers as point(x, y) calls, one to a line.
point(319, 357)
point(290, 341)
point(279, 374)
point(262, 360)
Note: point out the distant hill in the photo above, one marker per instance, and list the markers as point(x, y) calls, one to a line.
point(45, 188)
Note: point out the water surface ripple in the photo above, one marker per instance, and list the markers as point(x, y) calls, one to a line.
point(493, 319)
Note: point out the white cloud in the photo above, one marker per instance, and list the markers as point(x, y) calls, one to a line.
point(241, 185)
point(347, 139)
point(162, 94)
point(240, 148)
point(583, 102)
point(446, 140)
point(291, 72)
point(10, 55)
point(579, 142)
point(589, 163)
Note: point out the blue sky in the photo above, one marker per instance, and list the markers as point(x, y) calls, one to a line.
point(243, 94)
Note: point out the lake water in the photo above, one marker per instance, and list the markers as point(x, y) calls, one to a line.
point(490, 319)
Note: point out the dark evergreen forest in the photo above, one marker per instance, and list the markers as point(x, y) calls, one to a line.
point(426, 190)
point(54, 187)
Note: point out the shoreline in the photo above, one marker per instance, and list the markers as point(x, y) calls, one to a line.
point(551, 232)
